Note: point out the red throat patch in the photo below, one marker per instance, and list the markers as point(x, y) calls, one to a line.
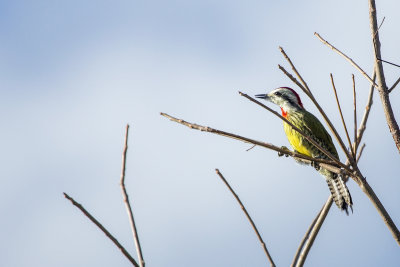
point(284, 113)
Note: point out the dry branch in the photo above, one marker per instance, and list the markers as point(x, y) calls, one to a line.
point(341, 115)
point(381, 210)
point(360, 152)
point(388, 62)
point(103, 229)
point(312, 234)
point(347, 58)
point(248, 217)
point(354, 115)
point(382, 88)
point(294, 69)
point(127, 202)
point(327, 164)
point(363, 124)
point(394, 85)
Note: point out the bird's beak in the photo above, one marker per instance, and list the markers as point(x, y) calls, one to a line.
point(263, 96)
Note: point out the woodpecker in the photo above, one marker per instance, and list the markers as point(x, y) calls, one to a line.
point(293, 110)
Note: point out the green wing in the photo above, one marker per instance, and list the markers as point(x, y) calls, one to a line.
point(313, 125)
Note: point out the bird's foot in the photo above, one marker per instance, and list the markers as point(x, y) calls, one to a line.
point(280, 154)
point(315, 165)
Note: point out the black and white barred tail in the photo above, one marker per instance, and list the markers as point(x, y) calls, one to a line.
point(339, 191)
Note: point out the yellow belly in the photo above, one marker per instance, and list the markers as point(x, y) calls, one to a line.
point(296, 140)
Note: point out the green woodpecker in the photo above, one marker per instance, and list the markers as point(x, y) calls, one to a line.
point(293, 110)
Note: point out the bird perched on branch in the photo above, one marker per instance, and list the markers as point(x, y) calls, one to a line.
point(293, 110)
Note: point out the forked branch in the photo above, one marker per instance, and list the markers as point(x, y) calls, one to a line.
point(127, 202)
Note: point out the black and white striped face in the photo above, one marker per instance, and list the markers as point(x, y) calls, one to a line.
point(284, 97)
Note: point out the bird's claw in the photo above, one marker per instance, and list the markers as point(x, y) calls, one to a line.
point(315, 165)
point(280, 154)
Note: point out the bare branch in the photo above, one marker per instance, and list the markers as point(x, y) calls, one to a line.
point(103, 229)
point(294, 79)
point(248, 217)
point(388, 62)
point(355, 147)
point(128, 204)
point(327, 164)
point(341, 115)
point(363, 124)
point(381, 210)
point(380, 25)
point(305, 237)
point(347, 58)
point(394, 85)
point(253, 146)
point(382, 88)
point(360, 152)
point(311, 234)
point(295, 70)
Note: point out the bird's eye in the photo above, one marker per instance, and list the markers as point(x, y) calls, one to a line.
point(277, 94)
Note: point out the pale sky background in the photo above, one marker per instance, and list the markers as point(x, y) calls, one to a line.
point(73, 73)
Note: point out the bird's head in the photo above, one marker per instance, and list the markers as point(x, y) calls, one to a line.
point(285, 97)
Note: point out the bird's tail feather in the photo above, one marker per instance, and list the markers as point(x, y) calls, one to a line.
point(340, 192)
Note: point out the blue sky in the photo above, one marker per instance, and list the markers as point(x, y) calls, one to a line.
point(73, 73)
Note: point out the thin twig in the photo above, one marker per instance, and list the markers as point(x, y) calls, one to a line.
point(248, 217)
point(363, 124)
point(294, 69)
point(307, 234)
point(253, 146)
point(314, 232)
point(341, 116)
point(365, 187)
point(388, 62)
point(293, 79)
point(103, 229)
point(347, 58)
point(322, 112)
point(327, 164)
point(380, 25)
point(394, 85)
point(128, 204)
point(360, 152)
point(355, 114)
